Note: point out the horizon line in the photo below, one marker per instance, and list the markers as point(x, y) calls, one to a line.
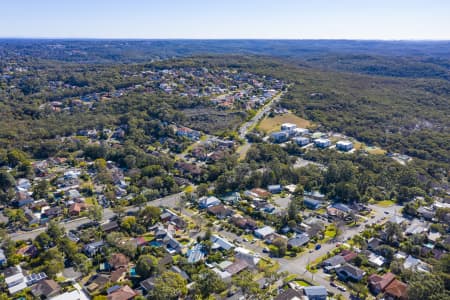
point(225, 39)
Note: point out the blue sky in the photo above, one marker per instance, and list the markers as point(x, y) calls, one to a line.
point(261, 19)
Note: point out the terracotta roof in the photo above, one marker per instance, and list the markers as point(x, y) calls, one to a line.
point(261, 192)
point(397, 289)
point(381, 282)
point(124, 293)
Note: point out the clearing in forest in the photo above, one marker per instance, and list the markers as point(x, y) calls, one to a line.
point(269, 124)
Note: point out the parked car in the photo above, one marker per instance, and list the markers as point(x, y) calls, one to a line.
point(341, 288)
point(318, 246)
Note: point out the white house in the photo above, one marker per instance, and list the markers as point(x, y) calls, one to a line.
point(263, 232)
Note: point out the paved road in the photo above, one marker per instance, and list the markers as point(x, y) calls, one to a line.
point(170, 201)
point(298, 264)
point(243, 130)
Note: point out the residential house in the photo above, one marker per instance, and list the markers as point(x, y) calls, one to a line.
point(183, 274)
point(289, 294)
point(220, 243)
point(110, 226)
point(244, 223)
point(348, 255)
point(189, 133)
point(15, 279)
point(396, 290)
point(334, 261)
point(23, 198)
point(288, 127)
point(263, 232)
point(377, 283)
point(123, 293)
point(118, 275)
point(97, 282)
point(3, 259)
point(301, 141)
point(76, 208)
point(311, 203)
point(373, 243)
point(298, 241)
point(261, 193)
point(28, 250)
point(92, 249)
point(344, 146)
point(322, 143)
point(426, 212)
point(315, 292)
point(376, 260)
point(220, 211)
point(196, 253)
point(316, 195)
point(274, 189)
point(350, 272)
point(45, 289)
point(279, 136)
point(416, 228)
point(30, 216)
point(237, 267)
point(415, 264)
point(73, 295)
point(205, 202)
point(148, 284)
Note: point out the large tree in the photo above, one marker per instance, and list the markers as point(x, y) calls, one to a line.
point(146, 265)
point(208, 282)
point(169, 286)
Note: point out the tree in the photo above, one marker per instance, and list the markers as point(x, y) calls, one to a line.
point(6, 181)
point(202, 190)
point(149, 215)
point(55, 231)
point(208, 282)
point(169, 286)
point(52, 262)
point(95, 213)
point(40, 190)
point(244, 280)
point(281, 244)
point(146, 265)
point(426, 286)
point(82, 263)
point(393, 231)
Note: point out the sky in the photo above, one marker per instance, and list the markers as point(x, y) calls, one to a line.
point(227, 19)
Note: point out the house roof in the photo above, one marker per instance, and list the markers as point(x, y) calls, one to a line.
point(397, 289)
point(348, 255)
point(237, 267)
point(124, 293)
point(299, 240)
point(45, 288)
point(117, 274)
point(381, 282)
point(312, 291)
point(289, 294)
point(219, 242)
point(350, 269)
point(335, 260)
point(148, 284)
point(264, 231)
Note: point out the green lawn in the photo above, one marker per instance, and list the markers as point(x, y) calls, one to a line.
point(301, 282)
point(385, 203)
